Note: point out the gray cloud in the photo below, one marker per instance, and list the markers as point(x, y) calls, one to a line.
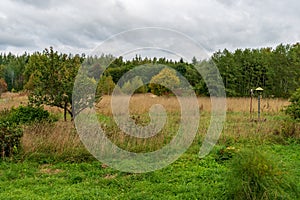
point(14, 40)
point(75, 26)
point(36, 3)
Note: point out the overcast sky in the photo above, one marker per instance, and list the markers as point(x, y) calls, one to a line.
point(78, 26)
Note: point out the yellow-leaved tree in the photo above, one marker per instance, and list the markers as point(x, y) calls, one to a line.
point(164, 82)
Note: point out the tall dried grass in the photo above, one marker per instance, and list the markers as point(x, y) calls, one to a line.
point(239, 125)
point(61, 138)
point(134, 144)
point(141, 103)
point(9, 100)
point(267, 105)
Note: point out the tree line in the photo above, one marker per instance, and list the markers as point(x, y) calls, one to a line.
point(277, 70)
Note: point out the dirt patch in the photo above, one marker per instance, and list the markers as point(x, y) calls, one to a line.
point(45, 169)
point(110, 176)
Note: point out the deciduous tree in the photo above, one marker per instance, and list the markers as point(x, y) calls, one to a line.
point(51, 78)
point(164, 81)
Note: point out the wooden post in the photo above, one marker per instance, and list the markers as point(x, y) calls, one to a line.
point(251, 97)
point(258, 107)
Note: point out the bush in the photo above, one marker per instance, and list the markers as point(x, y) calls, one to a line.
point(10, 136)
point(254, 175)
point(10, 130)
point(29, 114)
point(294, 108)
point(289, 129)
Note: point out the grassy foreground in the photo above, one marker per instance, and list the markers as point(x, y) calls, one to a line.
point(187, 178)
point(55, 165)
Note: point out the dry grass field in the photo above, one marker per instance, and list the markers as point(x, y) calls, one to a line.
point(9, 100)
point(140, 103)
point(61, 137)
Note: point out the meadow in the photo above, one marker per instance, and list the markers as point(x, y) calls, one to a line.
point(251, 160)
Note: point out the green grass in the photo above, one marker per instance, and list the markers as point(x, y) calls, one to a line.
point(187, 178)
point(74, 174)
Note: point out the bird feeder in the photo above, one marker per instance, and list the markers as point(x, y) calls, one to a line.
point(259, 90)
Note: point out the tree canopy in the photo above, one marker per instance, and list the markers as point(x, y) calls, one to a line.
point(51, 78)
point(164, 81)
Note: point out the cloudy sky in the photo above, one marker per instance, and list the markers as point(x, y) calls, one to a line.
point(80, 25)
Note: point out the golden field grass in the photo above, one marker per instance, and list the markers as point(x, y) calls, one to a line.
point(61, 138)
point(9, 100)
point(140, 103)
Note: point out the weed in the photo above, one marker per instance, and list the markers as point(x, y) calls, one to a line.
point(254, 175)
point(226, 153)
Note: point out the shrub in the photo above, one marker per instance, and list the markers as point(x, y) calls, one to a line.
point(294, 108)
point(290, 129)
point(254, 175)
point(10, 130)
point(10, 136)
point(28, 114)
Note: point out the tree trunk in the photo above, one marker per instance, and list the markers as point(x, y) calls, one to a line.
point(71, 114)
point(65, 111)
